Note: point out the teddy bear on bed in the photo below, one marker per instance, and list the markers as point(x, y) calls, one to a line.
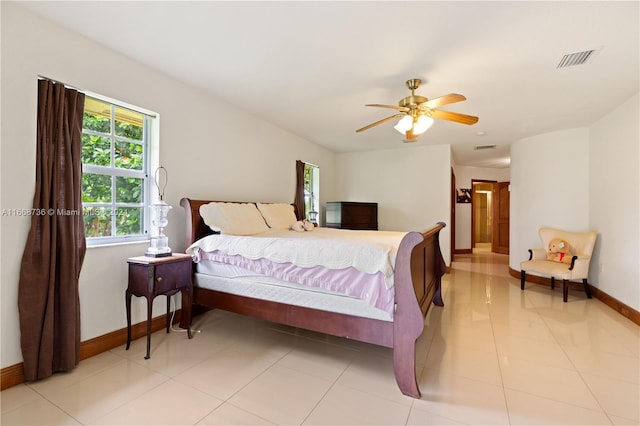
point(302, 225)
point(559, 251)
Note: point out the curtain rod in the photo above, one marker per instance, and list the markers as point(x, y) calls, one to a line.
point(42, 77)
point(144, 111)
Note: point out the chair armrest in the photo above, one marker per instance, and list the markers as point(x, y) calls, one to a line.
point(580, 266)
point(537, 254)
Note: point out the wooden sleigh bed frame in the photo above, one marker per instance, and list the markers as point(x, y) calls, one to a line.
point(418, 271)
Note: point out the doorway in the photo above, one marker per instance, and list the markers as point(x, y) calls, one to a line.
point(481, 215)
point(489, 216)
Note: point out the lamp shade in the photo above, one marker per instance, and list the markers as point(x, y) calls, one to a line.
point(417, 125)
point(422, 124)
point(404, 124)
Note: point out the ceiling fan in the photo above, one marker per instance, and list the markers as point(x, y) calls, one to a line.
point(416, 112)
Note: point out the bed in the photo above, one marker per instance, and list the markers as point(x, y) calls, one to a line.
point(417, 268)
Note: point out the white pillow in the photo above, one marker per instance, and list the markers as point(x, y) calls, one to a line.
point(277, 215)
point(233, 218)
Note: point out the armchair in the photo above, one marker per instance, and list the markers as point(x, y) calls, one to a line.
point(581, 244)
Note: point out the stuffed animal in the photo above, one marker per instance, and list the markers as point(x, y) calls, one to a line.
point(559, 251)
point(302, 225)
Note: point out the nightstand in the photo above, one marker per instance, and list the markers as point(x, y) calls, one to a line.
point(160, 276)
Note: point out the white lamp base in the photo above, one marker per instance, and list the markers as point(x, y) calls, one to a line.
point(151, 252)
point(158, 247)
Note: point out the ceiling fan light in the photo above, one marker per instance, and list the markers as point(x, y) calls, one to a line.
point(422, 124)
point(405, 123)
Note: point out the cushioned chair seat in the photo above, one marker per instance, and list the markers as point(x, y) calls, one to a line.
point(545, 267)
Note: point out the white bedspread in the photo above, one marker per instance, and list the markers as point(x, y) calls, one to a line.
point(367, 251)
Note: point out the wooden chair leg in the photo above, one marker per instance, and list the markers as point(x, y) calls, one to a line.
point(522, 278)
point(565, 290)
point(586, 288)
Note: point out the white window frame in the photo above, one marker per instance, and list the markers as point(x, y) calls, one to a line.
point(313, 195)
point(149, 143)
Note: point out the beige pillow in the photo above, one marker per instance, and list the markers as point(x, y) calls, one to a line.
point(277, 215)
point(233, 218)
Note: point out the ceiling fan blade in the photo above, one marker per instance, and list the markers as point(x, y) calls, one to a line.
point(384, 120)
point(454, 116)
point(399, 108)
point(445, 100)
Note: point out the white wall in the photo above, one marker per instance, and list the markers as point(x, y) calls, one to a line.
point(582, 179)
point(549, 187)
point(411, 186)
point(614, 202)
point(210, 150)
point(464, 176)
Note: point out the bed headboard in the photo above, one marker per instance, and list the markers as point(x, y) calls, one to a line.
point(196, 227)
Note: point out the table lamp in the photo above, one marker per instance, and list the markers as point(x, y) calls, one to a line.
point(159, 242)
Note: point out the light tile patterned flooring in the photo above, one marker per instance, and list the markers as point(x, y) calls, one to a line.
point(494, 355)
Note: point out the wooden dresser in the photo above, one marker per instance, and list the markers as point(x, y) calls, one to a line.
point(351, 215)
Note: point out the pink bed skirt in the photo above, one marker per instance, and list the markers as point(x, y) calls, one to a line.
point(349, 281)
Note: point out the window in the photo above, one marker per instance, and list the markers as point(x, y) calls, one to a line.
point(115, 181)
point(311, 192)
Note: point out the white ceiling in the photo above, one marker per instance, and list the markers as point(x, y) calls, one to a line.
point(310, 67)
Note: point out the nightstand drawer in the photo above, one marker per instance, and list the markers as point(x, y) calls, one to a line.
point(168, 276)
point(162, 284)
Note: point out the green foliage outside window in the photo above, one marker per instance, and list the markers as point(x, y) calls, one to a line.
point(310, 199)
point(112, 197)
point(308, 178)
point(96, 149)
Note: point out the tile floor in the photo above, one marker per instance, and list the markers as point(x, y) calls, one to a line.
point(493, 355)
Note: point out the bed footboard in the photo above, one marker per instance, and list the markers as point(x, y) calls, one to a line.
point(418, 272)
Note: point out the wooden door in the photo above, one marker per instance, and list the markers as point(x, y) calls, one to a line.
point(452, 231)
point(500, 218)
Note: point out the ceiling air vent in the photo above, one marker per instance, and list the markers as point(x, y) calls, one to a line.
point(578, 58)
point(481, 147)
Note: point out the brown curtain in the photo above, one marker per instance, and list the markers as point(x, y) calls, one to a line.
point(48, 300)
point(299, 198)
